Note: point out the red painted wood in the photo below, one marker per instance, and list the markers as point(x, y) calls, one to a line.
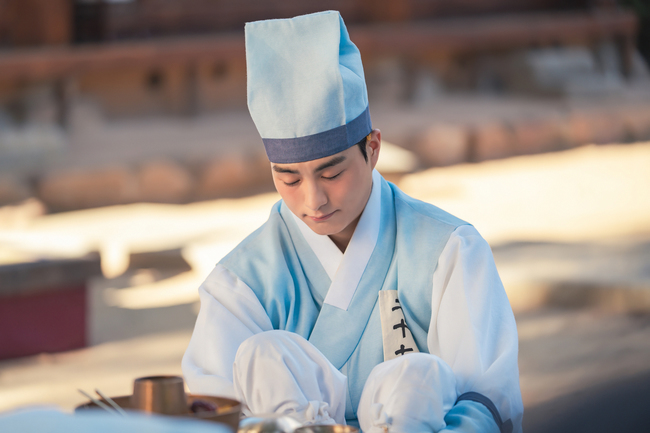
point(53, 321)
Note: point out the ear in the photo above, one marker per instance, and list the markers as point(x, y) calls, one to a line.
point(373, 146)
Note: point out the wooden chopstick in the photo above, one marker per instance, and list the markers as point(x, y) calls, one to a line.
point(111, 402)
point(98, 403)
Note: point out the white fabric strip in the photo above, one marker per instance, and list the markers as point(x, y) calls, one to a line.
point(352, 264)
point(396, 335)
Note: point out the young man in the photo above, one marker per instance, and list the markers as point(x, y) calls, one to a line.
point(353, 303)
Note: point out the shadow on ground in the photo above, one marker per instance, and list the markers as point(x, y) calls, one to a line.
point(620, 406)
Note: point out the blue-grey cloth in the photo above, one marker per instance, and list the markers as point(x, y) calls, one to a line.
point(306, 88)
point(98, 421)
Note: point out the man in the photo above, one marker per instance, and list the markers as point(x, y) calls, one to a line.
point(353, 303)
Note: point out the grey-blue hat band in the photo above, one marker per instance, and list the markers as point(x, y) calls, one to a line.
point(321, 145)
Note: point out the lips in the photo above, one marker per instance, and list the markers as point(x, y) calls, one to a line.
point(322, 218)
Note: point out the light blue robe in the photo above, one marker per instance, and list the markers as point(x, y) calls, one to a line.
point(286, 276)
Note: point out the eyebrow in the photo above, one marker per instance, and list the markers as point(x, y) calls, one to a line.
point(332, 162)
point(279, 169)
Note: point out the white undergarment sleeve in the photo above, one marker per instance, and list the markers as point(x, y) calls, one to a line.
point(472, 326)
point(280, 372)
point(408, 394)
point(230, 313)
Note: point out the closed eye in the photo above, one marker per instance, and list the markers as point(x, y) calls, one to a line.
point(333, 177)
point(295, 182)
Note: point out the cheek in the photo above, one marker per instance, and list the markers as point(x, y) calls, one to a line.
point(357, 189)
point(347, 192)
point(289, 195)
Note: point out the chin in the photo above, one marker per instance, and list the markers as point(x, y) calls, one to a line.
point(324, 229)
point(320, 230)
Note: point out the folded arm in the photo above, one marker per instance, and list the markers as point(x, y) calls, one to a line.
point(230, 313)
point(474, 331)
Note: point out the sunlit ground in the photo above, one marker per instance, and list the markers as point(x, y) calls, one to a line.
point(580, 216)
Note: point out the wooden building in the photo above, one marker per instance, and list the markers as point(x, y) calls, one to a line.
point(181, 57)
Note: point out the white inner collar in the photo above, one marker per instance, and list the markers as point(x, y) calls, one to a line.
point(345, 270)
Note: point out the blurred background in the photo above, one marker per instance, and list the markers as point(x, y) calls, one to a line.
point(129, 166)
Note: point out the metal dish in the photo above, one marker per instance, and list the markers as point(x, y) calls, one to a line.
point(327, 429)
point(270, 423)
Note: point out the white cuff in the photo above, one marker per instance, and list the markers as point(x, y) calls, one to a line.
point(316, 413)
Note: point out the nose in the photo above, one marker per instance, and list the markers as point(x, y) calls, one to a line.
point(315, 196)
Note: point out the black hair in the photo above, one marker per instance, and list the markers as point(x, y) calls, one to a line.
point(362, 147)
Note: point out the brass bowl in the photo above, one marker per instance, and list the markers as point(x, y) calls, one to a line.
point(160, 394)
point(228, 410)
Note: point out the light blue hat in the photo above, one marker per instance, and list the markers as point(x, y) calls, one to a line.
point(306, 89)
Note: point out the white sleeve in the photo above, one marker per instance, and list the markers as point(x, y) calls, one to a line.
point(230, 313)
point(472, 325)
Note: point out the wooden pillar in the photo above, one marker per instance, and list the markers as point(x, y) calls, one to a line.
point(39, 22)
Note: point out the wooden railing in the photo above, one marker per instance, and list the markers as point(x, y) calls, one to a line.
point(403, 39)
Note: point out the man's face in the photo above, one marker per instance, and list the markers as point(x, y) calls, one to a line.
point(329, 194)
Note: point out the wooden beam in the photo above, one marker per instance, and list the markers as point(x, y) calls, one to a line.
point(486, 33)
point(426, 37)
point(52, 63)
